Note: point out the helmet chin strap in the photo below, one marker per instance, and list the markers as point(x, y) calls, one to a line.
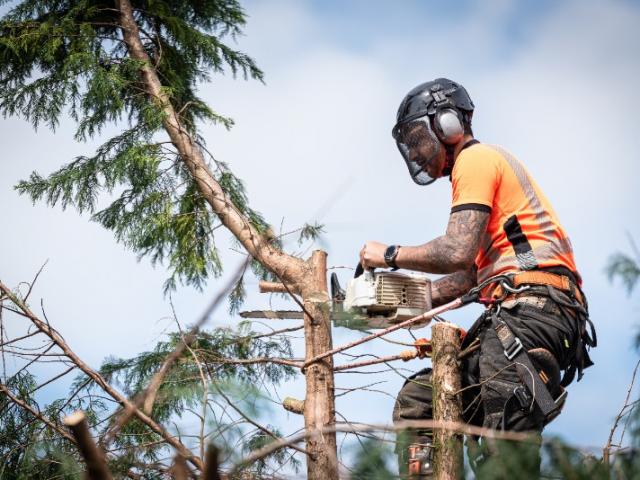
point(448, 166)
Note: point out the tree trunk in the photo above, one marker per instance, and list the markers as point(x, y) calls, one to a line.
point(319, 404)
point(309, 278)
point(447, 403)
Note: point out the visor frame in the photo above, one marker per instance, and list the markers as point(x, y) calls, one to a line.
point(417, 172)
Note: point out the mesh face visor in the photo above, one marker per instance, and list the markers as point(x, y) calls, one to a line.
point(419, 147)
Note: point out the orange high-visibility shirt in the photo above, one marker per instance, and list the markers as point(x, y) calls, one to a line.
point(523, 232)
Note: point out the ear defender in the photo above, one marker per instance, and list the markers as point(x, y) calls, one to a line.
point(448, 126)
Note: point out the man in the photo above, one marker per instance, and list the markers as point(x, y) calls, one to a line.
point(503, 243)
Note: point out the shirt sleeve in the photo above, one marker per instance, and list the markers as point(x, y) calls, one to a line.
point(475, 179)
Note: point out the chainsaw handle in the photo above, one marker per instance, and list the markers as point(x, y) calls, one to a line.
point(360, 270)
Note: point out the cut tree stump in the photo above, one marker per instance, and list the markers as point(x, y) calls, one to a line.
point(319, 402)
point(447, 402)
point(91, 454)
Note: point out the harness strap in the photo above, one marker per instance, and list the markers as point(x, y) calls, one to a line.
point(539, 277)
point(562, 290)
point(514, 351)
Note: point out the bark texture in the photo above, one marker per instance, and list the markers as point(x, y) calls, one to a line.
point(319, 404)
point(447, 402)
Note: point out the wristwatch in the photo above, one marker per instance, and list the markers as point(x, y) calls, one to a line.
point(390, 255)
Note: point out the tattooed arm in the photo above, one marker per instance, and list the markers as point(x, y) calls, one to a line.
point(449, 288)
point(454, 251)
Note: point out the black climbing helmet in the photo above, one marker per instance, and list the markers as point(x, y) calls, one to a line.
point(431, 115)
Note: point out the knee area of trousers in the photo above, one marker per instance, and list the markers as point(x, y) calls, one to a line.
point(414, 401)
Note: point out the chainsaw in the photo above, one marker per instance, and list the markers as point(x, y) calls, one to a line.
point(379, 299)
point(372, 299)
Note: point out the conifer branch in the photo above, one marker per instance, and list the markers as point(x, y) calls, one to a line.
point(107, 65)
point(25, 406)
point(256, 243)
point(147, 398)
point(98, 379)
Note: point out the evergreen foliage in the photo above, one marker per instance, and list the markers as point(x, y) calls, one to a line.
point(29, 449)
point(520, 460)
point(371, 461)
point(625, 267)
point(67, 58)
point(310, 232)
point(281, 457)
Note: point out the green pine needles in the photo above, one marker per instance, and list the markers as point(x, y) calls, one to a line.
point(68, 58)
point(219, 368)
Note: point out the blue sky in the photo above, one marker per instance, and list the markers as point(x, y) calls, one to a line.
point(554, 82)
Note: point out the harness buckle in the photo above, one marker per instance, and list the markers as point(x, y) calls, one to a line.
point(524, 398)
point(512, 350)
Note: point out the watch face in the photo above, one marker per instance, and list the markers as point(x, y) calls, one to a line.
point(390, 255)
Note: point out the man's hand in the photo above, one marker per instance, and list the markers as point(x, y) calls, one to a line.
point(372, 255)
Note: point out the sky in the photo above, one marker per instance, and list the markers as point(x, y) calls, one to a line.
point(553, 82)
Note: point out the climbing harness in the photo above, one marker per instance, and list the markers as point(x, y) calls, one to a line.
point(529, 287)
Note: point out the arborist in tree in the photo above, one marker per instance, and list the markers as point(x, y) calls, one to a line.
point(504, 247)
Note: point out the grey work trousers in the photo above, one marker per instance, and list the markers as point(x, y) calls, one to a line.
point(489, 378)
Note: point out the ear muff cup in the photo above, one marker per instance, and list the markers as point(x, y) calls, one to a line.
point(448, 126)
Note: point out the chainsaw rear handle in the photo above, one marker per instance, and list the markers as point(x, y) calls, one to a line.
point(360, 270)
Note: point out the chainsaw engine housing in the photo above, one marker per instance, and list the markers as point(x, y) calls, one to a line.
point(382, 299)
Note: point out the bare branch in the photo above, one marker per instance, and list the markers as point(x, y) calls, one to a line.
point(53, 379)
point(254, 423)
point(457, 303)
point(607, 448)
point(457, 427)
point(277, 332)
point(405, 356)
point(35, 279)
point(271, 287)
point(14, 340)
point(257, 360)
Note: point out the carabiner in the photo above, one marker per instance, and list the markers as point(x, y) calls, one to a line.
point(511, 289)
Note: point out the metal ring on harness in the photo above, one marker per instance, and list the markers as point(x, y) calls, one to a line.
point(511, 289)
